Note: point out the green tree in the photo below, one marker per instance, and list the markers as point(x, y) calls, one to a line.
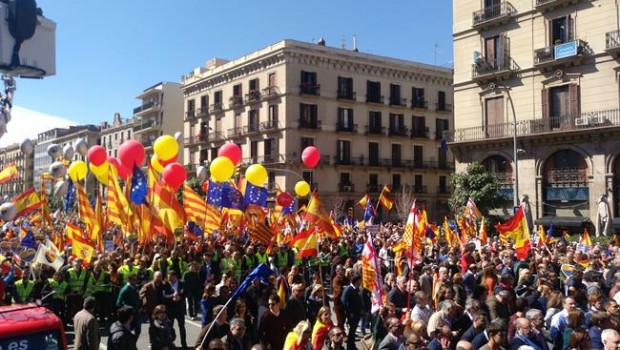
point(478, 184)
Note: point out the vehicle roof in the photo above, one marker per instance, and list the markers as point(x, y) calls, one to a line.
point(21, 319)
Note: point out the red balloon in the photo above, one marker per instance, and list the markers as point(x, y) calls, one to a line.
point(284, 199)
point(230, 151)
point(166, 162)
point(311, 156)
point(131, 153)
point(123, 171)
point(173, 175)
point(97, 155)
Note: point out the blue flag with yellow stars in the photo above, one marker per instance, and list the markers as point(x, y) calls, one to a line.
point(255, 195)
point(70, 197)
point(138, 186)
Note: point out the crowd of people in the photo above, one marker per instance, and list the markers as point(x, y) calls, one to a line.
point(463, 296)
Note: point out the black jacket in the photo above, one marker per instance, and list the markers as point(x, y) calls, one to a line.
point(352, 302)
point(161, 337)
point(121, 338)
point(174, 308)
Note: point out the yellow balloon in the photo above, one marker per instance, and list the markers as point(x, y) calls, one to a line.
point(100, 172)
point(302, 188)
point(156, 164)
point(77, 171)
point(222, 168)
point(166, 147)
point(256, 174)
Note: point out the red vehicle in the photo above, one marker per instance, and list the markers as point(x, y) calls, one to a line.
point(29, 326)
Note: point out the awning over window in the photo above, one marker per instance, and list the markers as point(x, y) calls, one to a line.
point(564, 221)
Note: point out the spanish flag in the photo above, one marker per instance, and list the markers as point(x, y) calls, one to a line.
point(83, 249)
point(384, 198)
point(516, 229)
point(482, 234)
point(27, 202)
point(585, 238)
point(9, 173)
point(306, 243)
point(363, 202)
point(316, 215)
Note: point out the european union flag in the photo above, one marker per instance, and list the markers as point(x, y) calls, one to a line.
point(138, 186)
point(261, 272)
point(429, 233)
point(28, 240)
point(193, 229)
point(255, 195)
point(214, 193)
point(232, 197)
point(70, 197)
point(369, 213)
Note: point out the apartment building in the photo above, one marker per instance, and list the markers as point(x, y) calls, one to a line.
point(536, 94)
point(113, 135)
point(160, 113)
point(63, 137)
point(12, 155)
point(376, 120)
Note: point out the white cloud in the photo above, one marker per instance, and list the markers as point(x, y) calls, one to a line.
point(28, 123)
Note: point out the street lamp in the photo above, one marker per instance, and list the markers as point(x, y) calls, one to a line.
point(515, 192)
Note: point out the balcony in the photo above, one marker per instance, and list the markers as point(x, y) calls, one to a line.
point(216, 107)
point(590, 120)
point(548, 5)
point(216, 136)
point(144, 125)
point(235, 101)
point(310, 89)
point(148, 143)
point(496, 15)
point(202, 111)
point(612, 42)
point(268, 125)
point(419, 104)
point(374, 130)
point(264, 159)
point(396, 163)
point(346, 95)
point(398, 102)
point(324, 160)
point(194, 140)
point(375, 99)
point(144, 107)
point(346, 127)
point(251, 128)
point(271, 92)
point(443, 107)
point(561, 55)
point(189, 115)
point(446, 190)
point(309, 124)
point(252, 96)
point(483, 71)
point(343, 161)
point(398, 131)
point(567, 177)
point(346, 187)
point(419, 133)
point(419, 189)
point(373, 188)
point(235, 132)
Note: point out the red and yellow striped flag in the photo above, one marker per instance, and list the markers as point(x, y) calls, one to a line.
point(195, 206)
point(87, 214)
point(261, 233)
point(9, 173)
point(118, 210)
point(213, 218)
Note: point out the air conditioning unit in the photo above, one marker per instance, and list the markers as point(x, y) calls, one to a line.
point(583, 121)
point(598, 119)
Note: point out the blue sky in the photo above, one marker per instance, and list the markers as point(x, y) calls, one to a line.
point(107, 52)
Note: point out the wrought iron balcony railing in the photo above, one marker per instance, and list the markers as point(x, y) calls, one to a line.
point(216, 107)
point(395, 101)
point(612, 41)
point(398, 131)
point(500, 68)
point(252, 96)
point(419, 103)
point(443, 107)
point(375, 99)
point(494, 15)
point(309, 124)
point(346, 95)
point(310, 89)
point(235, 101)
point(346, 127)
point(375, 130)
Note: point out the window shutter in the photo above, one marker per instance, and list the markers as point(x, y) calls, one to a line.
point(571, 29)
point(573, 92)
point(545, 103)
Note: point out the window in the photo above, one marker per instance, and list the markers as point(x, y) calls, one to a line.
point(308, 115)
point(441, 100)
point(272, 80)
point(272, 118)
point(374, 122)
point(373, 183)
point(308, 83)
point(345, 182)
point(345, 88)
point(396, 182)
point(561, 30)
point(343, 150)
point(270, 150)
point(373, 92)
point(494, 116)
point(204, 103)
point(217, 97)
point(253, 86)
point(419, 186)
point(395, 95)
point(441, 125)
point(128, 134)
point(115, 137)
point(561, 105)
point(396, 154)
point(214, 153)
point(238, 123)
point(253, 120)
point(419, 126)
point(345, 119)
point(254, 151)
point(373, 153)
point(237, 90)
point(397, 124)
point(308, 177)
point(306, 141)
point(443, 187)
point(418, 156)
point(191, 106)
point(497, 52)
point(417, 98)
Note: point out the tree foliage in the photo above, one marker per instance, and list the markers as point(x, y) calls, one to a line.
point(478, 184)
point(404, 200)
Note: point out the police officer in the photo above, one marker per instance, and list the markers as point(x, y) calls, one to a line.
point(57, 286)
point(126, 270)
point(24, 289)
point(76, 278)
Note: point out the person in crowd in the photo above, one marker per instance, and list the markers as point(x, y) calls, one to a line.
point(161, 332)
point(352, 307)
point(321, 328)
point(336, 339)
point(237, 339)
point(86, 327)
point(274, 325)
point(120, 336)
point(152, 293)
point(299, 337)
point(219, 328)
point(497, 337)
point(393, 340)
point(422, 310)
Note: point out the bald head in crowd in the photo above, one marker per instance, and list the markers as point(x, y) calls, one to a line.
point(464, 345)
